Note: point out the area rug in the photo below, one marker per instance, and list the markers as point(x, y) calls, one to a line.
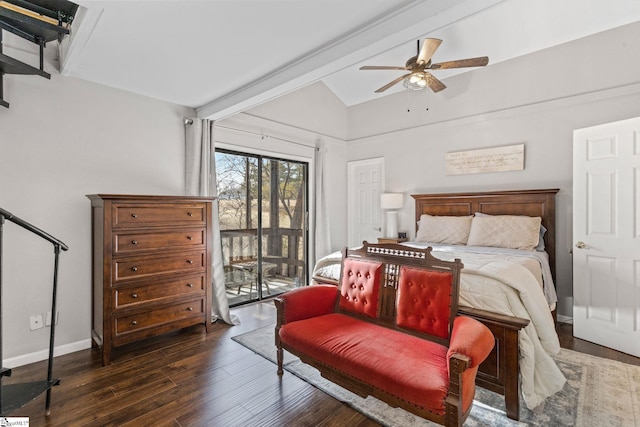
point(599, 392)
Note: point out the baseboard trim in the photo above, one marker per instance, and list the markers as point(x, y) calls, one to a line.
point(38, 356)
point(565, 319)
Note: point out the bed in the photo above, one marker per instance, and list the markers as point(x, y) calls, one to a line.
point(515, 284)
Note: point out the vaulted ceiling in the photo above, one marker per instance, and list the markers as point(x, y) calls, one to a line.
point(222, 56)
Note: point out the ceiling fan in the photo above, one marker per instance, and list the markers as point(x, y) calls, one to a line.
point(418, 66)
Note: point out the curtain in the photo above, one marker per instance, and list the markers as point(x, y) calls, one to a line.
point(200, 174)
point(321, 229)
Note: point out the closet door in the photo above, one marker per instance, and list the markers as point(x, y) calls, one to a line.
point(365, 184)
point(606, 232)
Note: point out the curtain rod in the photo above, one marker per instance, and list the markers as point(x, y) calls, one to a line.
point(263, 136)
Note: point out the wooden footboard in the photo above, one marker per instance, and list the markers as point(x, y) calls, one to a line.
point(500, 371)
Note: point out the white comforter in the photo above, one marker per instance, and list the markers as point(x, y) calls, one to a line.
point(498, 281)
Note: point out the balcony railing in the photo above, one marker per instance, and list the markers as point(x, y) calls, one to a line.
point(282, 246)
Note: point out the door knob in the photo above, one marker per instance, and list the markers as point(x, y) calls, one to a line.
point(378, 228)
point(582, 245)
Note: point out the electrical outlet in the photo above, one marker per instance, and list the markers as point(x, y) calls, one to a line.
point(35, 322)
point(47, 320)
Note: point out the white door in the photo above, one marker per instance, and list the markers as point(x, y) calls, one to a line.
point(365, 181)
point(606, 233)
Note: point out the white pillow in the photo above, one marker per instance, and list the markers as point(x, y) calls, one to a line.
point(451, 230)
point(543, 230)
point(505, 231)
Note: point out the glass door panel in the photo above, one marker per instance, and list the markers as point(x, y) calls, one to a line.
point(238, 215)
point(262, 205)
point(284, 208)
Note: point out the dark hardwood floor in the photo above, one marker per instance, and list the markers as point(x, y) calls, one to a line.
point(567, 340)
point(191, 378)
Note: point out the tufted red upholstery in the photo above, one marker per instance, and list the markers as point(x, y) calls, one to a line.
point(423, 300)
point(359, 286)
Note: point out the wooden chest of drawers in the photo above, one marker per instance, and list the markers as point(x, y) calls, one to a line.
point(151, 266)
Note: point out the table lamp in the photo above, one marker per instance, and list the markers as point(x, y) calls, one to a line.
point(390, 202)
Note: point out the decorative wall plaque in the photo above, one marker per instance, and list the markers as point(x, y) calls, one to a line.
point(494, 159)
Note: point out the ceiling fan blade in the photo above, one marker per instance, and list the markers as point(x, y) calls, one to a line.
point(435, 84)
point(428, 48)
point(391, 83)
point(381, 67)
point(461, 63)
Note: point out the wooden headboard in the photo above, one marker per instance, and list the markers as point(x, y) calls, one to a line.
point(521, 202)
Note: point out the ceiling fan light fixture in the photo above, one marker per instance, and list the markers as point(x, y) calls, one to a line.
point(416, 81)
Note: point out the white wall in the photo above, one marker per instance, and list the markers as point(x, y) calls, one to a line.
point(60, 140)
point(537, 100)
point(313, 108)
point(312, 115)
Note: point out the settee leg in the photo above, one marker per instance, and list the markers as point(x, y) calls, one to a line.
point(453, 403)
point(452, 417)
point(279, 356)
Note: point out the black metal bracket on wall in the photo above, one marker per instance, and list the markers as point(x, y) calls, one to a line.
point(38, 21)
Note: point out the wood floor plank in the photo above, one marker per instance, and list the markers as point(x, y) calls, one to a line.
point(196, 394)
point(307, 408)
point(277, 413)
point(161, 407)
point(90, 414)
point(254, 381)
point(288, 386)
point(165, 405)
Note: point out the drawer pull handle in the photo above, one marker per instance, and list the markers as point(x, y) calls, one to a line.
point(134, 215)
point(134, 242)
point(189, 238)
point(189, 261)
point(134, 268)
point(189, 308)
point(189, 285)
point(134, 295)
point(134, 322)
point(190, 213)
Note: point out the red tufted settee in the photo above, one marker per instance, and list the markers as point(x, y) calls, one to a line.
point(391, 330)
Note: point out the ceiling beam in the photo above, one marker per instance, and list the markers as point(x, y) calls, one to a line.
point(414, 19)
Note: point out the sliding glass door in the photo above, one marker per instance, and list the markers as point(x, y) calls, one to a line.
point(263, 210)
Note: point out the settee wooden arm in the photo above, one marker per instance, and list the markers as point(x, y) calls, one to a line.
point(470, 344)
point(454, 407)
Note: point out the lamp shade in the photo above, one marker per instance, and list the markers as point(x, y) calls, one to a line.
point(391, 200)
